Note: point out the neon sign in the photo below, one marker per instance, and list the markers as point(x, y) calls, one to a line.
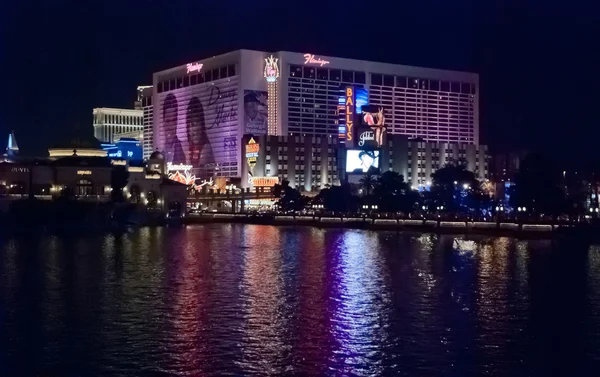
point(310, 59)
point(264, 181)
point(271, 69)
point(174, 167)
point(252, 149)
point(366, 136)
point(194, 67)
point(349, 112)
point(84, 172)
point(189, 179)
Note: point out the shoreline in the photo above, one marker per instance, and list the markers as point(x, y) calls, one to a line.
point(511, 229)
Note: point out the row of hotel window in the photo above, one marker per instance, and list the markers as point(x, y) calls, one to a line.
point(357, 77)
point(315, 180)
point(196, 78)
point(314, 168)
point(119, 119)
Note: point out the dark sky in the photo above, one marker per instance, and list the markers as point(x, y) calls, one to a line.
point(538, 61)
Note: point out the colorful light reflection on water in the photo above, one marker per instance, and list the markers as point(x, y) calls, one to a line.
point(260, 300)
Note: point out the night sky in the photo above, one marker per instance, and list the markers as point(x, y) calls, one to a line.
point(538, 61)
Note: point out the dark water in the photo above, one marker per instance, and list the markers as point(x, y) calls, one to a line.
point(244, 299)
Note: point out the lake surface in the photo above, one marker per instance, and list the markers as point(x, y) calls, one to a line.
point(261, 300)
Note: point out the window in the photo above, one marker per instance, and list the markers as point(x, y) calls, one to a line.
point(201, 78)
point(445, 87)
point(309, 73)
point(208, 76)
point(194, 80)
point(347, 76)
point(376, 79)
point(186, 81)
point(322, 74)
point(84, 187)
point(360, 77)
point(335, 75)
point(434, 85)
point(231, 70)
point(295, 71)
point(401, 81)
point(388, 80)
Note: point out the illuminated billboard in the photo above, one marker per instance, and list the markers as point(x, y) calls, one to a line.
point(197, 125)
point(372, 120)
point(359, 161)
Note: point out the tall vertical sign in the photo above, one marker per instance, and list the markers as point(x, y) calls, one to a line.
point(350, 107)
point(271, 74)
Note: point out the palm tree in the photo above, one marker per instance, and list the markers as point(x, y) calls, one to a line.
point(367, 182)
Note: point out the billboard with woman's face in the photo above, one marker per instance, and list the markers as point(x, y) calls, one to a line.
point(198, 125)
point(255, 112)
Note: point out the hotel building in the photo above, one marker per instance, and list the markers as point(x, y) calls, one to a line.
point(203, 109)
point(109, 122)
point(144, 103)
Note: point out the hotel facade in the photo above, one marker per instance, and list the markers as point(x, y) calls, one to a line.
point(203, 111)
point(111, 124)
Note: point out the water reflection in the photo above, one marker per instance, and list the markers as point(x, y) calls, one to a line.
point(235, 299)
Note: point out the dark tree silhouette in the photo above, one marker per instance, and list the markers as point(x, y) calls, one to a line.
point(454, 187)
point(337, 199)
point(368, 180)
point(393, 194)
point(289, 199)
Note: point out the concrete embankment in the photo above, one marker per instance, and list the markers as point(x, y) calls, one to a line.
point(420, 225)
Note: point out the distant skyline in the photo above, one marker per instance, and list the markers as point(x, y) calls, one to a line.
point(537, 64)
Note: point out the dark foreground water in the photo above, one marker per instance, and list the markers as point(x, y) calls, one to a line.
point(246, 299)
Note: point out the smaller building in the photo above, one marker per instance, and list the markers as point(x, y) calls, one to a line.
point(88, 177)
point(307, 162)
point(417, 160)
point(313, 162)
point(109, 122)
point(144, 103)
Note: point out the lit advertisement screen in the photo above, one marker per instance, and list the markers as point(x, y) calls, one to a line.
point(359, 161)
point(197, 125)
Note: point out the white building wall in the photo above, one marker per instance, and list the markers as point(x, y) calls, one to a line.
point(109, 121)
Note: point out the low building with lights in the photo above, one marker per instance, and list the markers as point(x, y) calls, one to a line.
point(87, 176)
